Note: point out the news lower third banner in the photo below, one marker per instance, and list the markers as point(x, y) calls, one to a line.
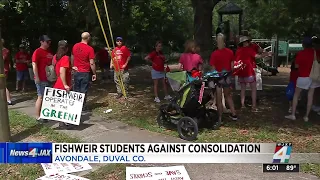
point(153, 153)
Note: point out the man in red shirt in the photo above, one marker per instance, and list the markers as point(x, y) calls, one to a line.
point(22, 59)
point(6, 59)
point(304, 62)
point(104, 61)
point(120, 58)
point(41, 58)
point(83, 60)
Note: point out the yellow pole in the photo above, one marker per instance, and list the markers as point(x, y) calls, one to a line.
point(105, 37)
point(107, 14)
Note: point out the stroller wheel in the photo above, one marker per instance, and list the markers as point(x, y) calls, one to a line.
point(161, 119)
point(187, 128)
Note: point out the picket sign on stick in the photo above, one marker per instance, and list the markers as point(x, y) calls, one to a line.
point(63, 106)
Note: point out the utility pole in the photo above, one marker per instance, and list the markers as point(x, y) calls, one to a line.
point(4, 117)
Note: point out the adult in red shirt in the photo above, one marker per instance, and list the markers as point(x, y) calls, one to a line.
point(222, 60)
point(157, 73)
point(6, 59)
point(22, 59)
point(247, 75)
point(41, 58)
point(104, 61)
point(83, 61)
point(304, 62)
point(120, 59)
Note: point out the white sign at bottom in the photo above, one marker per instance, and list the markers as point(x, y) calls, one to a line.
point(157, 173)
point(61, 177)
point(64, 168)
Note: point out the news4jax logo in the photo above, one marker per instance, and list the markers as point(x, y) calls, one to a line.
point(282, 153)
point(33, 152)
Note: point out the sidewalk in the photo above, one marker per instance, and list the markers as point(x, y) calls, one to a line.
point(99, 130)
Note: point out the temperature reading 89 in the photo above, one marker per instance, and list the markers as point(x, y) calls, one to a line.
point(281, 168)
point(291, 167)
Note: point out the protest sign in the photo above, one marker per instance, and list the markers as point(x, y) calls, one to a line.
point(61, 177)
point(63, 106)
point(157, 173)
point(64, 168)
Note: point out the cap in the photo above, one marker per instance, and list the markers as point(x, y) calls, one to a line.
point(307, 40)
point(44, 38)
point(21, 46)
point(243, 39)
point(62, 43)
point(119, 38)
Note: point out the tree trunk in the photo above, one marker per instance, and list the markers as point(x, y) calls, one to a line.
point(203, 23)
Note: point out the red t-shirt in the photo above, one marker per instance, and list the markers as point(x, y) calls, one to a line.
point(247, 56)
point(82, 53)
point(22, 56)
point(42, 58)
point(190, 61)
point(256, 48)
point(103, 56)
point(120, 56)
point(158, 60)
point(221, 59)
point(305, 59)
point(6, 59)
point(65, 63)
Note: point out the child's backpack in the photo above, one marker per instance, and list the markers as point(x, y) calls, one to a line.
point(51, 73)
point(290, 91)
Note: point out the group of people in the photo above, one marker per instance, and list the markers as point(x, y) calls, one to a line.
point(75, 72)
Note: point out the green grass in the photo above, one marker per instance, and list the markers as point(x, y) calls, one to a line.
point(23, 125)
point(110, 172)
point(311, 169)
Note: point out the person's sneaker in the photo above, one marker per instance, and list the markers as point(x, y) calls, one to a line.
point(291, 117)
point(306, 119)
point(157, 100)
point(10, 103)
point(119, 96)
point(290, 110)
point(42, 120)
point(233, 117)
point(167, 97)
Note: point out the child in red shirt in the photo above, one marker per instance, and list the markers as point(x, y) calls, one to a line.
point(158, 60)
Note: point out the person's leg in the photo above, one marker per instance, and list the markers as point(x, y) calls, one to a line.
point(294, 104)
point(290, 107)
point(8, 97)
point(126, 81)
point(155, 90)
point(219, 102)
point(165, 89)
point(40, 90)
point(243, 94)
point(24, 80)
point(228, 96)
point(253, 87)
point(117, 82)
point(77, 82)
point(19, 78)
point(309, 104)
point(84, 85)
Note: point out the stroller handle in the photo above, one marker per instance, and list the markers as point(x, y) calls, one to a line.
point(216, 75)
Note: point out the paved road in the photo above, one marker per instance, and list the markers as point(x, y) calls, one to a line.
point(97, 129)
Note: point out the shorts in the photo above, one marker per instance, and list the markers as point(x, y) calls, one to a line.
point(22, 75)
point(40, 87)
point(250, 79)
point(157, 74)
point(306, 83)
point(225, 82)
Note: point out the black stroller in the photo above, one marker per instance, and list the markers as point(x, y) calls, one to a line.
point(188, 109)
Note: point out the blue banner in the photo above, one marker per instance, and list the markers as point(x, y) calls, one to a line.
point(25, 153)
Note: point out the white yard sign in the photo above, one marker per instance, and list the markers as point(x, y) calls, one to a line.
point(63, 106)
point(61, 177)
point(258, 81)
point(157, 173)
point(64, 168)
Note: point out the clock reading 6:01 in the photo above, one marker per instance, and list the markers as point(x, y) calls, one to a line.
point(281, 168)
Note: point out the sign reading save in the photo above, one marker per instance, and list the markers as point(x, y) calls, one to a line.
point(63, 106)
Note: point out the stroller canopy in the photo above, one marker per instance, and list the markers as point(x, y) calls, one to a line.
point(177, 79)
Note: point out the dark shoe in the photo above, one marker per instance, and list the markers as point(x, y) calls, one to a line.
point(233, 117)
point(42, 120)
point(119, 96)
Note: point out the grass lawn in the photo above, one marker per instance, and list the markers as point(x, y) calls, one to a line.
point(269, 125)
point(26, 129)
point(109, 172)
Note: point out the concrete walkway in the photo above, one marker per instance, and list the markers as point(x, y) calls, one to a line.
point(97, 129)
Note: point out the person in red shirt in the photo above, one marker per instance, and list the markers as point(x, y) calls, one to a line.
point(83, 61)
point(157, 73)
point(6, 59)
point(41, 58)
point(304, 62)
point(120, 58)
point(222, 60)
point(190, 59)
point(247, 75)
point(22, 59)
point(104, 61)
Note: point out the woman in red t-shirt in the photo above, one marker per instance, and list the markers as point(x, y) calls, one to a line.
point(222, 60)
point(158, 60)
point(247, 75)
